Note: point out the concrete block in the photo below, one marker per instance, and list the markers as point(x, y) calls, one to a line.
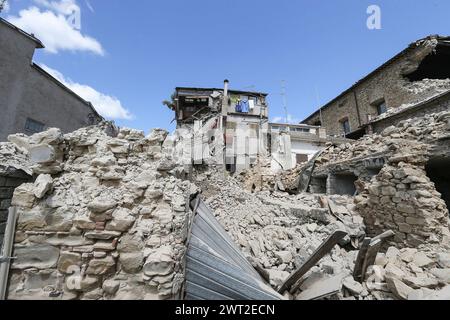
point(42, 154)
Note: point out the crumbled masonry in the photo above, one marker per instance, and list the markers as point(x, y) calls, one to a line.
point(107, 216)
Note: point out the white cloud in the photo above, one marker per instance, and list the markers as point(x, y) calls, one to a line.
point(290, 119)
point(55, 31)
point(64, 6)
point(107, 106)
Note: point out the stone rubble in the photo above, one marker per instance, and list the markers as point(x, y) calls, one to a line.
point(107, 217)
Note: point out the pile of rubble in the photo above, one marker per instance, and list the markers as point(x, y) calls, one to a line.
point(106, 218)
point(261, 177)
point(411, 132)
point(278, 232)
point(13, 158)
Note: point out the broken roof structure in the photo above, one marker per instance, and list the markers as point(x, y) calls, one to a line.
point(415, 74)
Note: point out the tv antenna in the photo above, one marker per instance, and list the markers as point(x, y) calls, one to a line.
point(283, 96)
point(320, 106)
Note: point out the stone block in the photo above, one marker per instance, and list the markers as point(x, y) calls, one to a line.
point(39, 256)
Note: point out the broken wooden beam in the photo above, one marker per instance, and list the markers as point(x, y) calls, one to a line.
point(334, 211)
point(371, 255)
point(357, 271)
point(323, 250)
point(384, 236)
point(366, 259)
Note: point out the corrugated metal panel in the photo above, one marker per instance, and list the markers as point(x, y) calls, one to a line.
point(216, 269)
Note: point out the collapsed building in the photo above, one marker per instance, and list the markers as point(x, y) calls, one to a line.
point(109, 215)
point(104, 213)
point(231, 128)
point(418, 73)
point(399, 177)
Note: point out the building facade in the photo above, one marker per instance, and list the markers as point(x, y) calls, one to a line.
point(419, 72)
point(31, 99)
point(226, 125)
point(294, 144)
point(231, 128)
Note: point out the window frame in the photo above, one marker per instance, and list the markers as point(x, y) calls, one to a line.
point(379, 105)
point(38, 126)
point(343, 122)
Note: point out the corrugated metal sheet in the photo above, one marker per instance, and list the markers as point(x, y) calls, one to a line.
point(215, 267)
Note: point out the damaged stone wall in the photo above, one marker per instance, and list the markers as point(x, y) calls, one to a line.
point(408, 111)
point(399, 195)
point(12, 174)
point(388, 84)
point(106, 218)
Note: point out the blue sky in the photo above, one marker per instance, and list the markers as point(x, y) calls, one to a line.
point(132, 54)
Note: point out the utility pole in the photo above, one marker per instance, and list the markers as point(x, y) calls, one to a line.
point(283, 95)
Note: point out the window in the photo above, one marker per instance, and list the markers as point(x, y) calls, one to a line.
point(305, 130)
point(346, 126)
point(381, 107)
point(33, 126)
point(278, 128)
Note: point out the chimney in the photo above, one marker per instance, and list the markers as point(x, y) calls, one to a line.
point(225, 87)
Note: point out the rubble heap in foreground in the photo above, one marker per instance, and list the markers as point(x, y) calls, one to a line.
point(108, 218)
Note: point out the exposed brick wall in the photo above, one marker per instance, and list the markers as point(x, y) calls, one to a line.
point(388, 84)
point(8, 183)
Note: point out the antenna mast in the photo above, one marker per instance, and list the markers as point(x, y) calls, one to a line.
point(320, 106)
point(283, 95)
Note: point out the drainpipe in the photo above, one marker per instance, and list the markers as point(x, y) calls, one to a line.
point(223, 121)
point(357, 109)
point(7, 250)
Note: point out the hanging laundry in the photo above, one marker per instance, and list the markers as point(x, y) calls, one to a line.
point(251, 104)
point(239, 107)
point(244, 106)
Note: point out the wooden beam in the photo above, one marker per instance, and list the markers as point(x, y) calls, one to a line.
point(384, 236)
point(333, 210)
point(360, 260)
point(371, 255)
point(323, 250)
